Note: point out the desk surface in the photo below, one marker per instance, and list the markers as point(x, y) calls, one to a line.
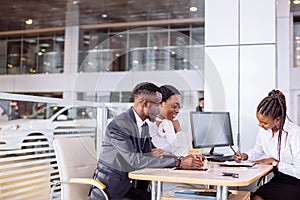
point(213, 176)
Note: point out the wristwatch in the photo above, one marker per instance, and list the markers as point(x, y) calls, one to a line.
point(179, 158)
point(274, 163)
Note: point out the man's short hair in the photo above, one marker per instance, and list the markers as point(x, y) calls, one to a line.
point(144, 88)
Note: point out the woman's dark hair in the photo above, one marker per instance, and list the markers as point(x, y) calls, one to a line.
point(167, 91)
point(274, 105)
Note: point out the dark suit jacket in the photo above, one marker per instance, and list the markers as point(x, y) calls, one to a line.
point(124, 151)
point(199, 108)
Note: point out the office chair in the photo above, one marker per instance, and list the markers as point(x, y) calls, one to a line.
point(76, 160)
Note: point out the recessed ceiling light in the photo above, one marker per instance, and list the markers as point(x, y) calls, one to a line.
point(296, 2)
point(104, 15)
point(44, 45)
point(29, 21)
point(193, 9)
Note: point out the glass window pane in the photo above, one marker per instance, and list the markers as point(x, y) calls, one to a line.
point(197, 35)
point(137, 40)
point(3, 56)
point(13, 57)
point(296, 45)
point(46, 56)
point(29, 56)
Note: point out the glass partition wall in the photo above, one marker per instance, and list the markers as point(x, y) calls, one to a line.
point(143, 49)
point(138, 49)
point(32, 54)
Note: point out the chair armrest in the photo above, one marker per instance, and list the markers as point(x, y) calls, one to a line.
point(89, 181)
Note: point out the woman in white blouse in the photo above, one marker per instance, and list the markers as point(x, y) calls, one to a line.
point(277, 144)
point(166, 132)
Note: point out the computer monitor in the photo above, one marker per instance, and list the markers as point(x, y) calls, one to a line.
point(211, 129)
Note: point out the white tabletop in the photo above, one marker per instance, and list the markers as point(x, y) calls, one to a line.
point(213, 176)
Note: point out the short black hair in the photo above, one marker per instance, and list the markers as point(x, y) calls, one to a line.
point(144, 88)
point(201, 98)
point(167, 91)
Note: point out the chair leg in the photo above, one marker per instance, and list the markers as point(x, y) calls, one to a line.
point(56, 183)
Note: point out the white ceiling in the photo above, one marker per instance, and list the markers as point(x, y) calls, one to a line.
point(59, 13)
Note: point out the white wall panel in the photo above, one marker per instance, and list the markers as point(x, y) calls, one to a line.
point(295, 78)
point(257, 21)
point(7, 83)
point(221, 28)
point(182, 80)
point(221, 82)
point(35, 83)
point(257, 75)
point(107, 81)
point(283, 53)
point(125, 81)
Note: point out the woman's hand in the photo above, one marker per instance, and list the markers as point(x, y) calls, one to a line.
point(238, 157)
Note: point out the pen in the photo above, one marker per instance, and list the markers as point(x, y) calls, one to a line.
point(235, 153)
point(233, 149)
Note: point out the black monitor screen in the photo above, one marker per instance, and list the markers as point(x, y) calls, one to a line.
point(211, 129)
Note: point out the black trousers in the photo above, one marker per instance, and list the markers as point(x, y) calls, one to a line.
point(137, 194)
point(280, 187)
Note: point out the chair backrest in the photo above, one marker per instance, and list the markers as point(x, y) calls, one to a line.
point(76, 158)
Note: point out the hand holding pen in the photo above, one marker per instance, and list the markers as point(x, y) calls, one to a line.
point(238, 157)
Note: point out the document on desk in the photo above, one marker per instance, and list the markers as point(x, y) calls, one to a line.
point(197, 194)
point(244, 163)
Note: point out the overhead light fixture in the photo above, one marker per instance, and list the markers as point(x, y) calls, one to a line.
point(44, 45)
point(296, 2)
point(193, 9)
point(104, 15)
point(29, 21)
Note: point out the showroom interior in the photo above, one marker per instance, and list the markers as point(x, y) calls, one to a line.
point(61, 53)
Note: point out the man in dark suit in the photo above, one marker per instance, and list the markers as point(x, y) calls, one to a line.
point(127, 146)
point(200, 107)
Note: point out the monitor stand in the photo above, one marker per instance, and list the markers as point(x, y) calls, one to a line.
point(212, 153)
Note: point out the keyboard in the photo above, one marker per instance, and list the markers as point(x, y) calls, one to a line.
point(220, 158)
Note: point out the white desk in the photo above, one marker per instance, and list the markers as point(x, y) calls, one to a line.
point(211, 177)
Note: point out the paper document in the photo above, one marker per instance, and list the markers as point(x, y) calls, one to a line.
point(197, 194)
point(244, 163)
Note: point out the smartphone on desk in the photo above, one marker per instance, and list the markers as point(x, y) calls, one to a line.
point(201, 169)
